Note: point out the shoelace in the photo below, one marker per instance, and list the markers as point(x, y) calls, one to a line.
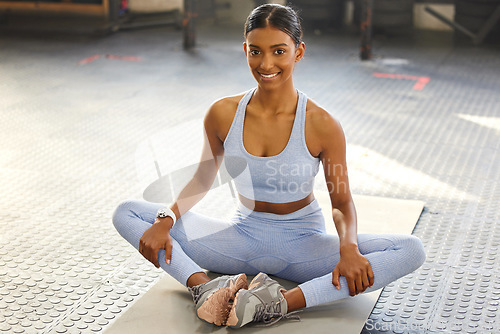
point(270, 314)
point(195, 292)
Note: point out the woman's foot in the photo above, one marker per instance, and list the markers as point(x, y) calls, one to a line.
point(262, 302)
point(214, 300)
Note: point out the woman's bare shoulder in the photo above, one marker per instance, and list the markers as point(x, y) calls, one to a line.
point(226, 104)
point(221, 113)
point(321, 121)
point(322, 130)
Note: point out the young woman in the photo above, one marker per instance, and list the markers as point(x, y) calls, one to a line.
point(273, 139)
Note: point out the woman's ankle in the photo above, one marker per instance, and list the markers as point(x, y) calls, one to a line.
point(294, 299)
point(197, 279)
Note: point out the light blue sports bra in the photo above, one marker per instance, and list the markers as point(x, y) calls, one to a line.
point(286, 177)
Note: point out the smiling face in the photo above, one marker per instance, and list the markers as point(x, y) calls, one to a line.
point(271, 55)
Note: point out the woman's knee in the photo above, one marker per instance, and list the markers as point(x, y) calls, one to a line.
point(417, 250)
point(121, 212)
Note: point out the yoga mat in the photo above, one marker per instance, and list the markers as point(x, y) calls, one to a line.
point(168, 308)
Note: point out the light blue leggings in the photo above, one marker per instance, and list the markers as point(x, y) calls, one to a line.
point(294, 246)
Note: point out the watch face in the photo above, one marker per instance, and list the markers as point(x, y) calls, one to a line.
point(161, 213)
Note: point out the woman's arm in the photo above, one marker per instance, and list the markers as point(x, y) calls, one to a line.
point(158, 235)
point(352, 265)
point(210, 161)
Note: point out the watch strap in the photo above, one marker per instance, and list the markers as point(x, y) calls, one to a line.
point(166, 212)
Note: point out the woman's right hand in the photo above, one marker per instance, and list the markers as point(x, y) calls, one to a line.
point(155, 238)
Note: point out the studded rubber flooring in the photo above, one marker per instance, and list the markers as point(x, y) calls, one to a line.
point(422, 121)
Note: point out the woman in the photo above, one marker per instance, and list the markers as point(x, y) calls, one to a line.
point(273, 139)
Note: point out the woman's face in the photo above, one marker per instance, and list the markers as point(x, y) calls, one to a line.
point(271, 56)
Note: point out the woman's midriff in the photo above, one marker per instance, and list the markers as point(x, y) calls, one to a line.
point(276, 208)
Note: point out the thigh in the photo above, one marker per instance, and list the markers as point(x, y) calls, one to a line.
point(214, 244)
point(317, 254)
point(378, 242)
point(313, 256)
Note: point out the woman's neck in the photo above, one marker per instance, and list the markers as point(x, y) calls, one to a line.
point(276, 101)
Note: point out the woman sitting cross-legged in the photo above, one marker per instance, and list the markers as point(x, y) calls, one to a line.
point(273, 139)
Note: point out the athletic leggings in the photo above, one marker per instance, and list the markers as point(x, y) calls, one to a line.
point(293, 246)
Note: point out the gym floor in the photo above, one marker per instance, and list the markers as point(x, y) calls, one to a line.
point(422, 120)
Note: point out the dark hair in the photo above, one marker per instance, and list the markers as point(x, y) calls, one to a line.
point(281, 17)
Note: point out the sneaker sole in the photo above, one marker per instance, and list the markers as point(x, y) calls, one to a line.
point(233, 320)
point(216, 308)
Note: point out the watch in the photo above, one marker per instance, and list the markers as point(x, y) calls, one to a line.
point(166, 212)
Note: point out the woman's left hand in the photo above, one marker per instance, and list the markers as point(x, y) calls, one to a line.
point(356, 269)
